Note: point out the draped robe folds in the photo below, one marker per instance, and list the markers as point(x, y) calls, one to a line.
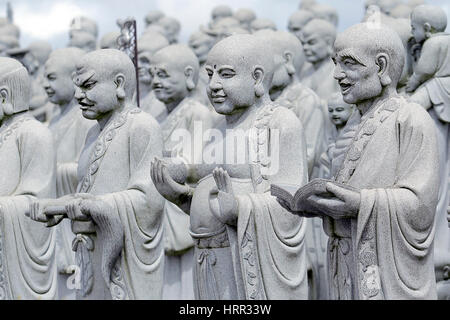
point(266, 247)
point(386, 252)
point(27, 248)
point(69, 131)
point(309, 110)
point(193, 118)
point(114, 166)
point(433, 71)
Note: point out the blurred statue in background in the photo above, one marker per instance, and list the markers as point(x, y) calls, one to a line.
point(109, 40)
point(430, 87)
point(27, 165)
point(171, 28)
point(245, 17)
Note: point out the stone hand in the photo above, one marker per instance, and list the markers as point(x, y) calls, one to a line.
point(411, 85)
point(166, 186)
point(79, 210)
point(345, 204)
point(228, 205)
point(40, 212)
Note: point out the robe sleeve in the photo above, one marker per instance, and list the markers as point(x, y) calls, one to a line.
point(270, 239)
point(395, 225)
point(28, 246)
point(140, 208)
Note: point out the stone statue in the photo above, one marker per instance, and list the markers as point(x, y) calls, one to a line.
point(109, 40)
point(171, 28)
point(325, 12)
point(401, 11)
point(430, 85)
point(246, 245)
point(298, 20)
point(148, 44)
point(116, 213)
point(339, 112)
point(83, 40)
point(287, 91)
point(27, 259)
point(175, 71)
point(219, 12)
point(306, 4)
point(262, 24)
point(7, 42)
point(317, 37)
point(381, 225)
point(84, 24)
point(69, 130)
point(33, 58)
point(245, 17)
point(200, 42)
point(153, 17)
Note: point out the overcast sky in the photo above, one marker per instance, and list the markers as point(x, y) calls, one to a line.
point(50, 19)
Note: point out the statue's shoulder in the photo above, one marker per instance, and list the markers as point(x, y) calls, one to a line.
point(413, 114)
point(140, 119)
point(279, 117)
point(30, 128)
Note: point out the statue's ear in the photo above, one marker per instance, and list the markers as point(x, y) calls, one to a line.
point(189, 73)
point(119, 81)
point(383, 62)
point(258, 74)
point(428, 29)
point(289, 62)
point(5, 101)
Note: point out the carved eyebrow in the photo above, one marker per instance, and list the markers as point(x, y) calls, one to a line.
point(221, 68)
point(83, 78)
point(348, 55)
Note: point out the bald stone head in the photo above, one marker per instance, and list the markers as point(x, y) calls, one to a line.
point(245, 17)
point(240, 72)
point(10, 30)
point(58, 72)
point(201, 42)
point(317, 38)
point(109, 40)
point(369, 61)
point(148, 44)
point(171, 27)
point(386, 6)
point(262, 24)
point(307, 4)
point(15, 87)
point(83, 40)
point(153, 17)
point(426, 20)
point(85, 24)
point(220, 12)
point(288, 58)
point(401, 11)
point(105, 80)
point(298, 20)
point(175, 73)
point(325, 12)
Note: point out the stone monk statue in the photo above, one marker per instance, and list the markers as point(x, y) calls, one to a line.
point(430, 87)
point(27, 167)
point(381, 226)
point(116, 213)
point(246, 245)
point(317, 38)
point(175, 73)
point(69, 130)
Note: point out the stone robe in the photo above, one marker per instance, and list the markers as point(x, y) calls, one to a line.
point(27, 248)
point(387, 251)
point(263, 256)
point(192, 118)
point(114, 166)
point(308, 108)
point(433, 71)
point(154, 107)
point(69, 132)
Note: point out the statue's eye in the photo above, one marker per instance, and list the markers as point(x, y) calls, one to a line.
point(227, 74)
point(51, 77)
point(210, 73)
point(339, 109)
point(89, 85)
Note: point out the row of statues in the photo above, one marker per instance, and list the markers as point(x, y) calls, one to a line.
point(177, 199)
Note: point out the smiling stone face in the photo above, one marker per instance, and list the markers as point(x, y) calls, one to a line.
point(317, 38)
point(231, 66)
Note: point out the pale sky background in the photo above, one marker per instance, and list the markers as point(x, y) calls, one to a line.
point(50, 19)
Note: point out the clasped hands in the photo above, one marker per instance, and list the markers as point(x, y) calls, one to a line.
point(76, 207)
point(344, 204)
